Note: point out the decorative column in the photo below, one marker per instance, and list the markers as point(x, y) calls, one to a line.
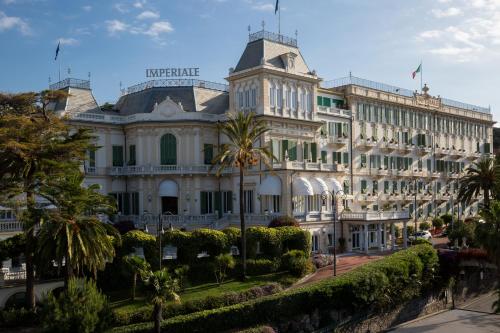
point(381, 229)
point(405, 235)
point(393, 236)
point(366, 237)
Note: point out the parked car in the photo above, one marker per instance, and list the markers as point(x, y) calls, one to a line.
point(421, 235)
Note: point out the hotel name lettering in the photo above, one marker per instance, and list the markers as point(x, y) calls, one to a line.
point(173, 72)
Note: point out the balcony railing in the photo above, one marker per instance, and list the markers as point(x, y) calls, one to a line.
point(175, 83)
point(133, 170)
point(374, 216)
point(70, 82)
point(10, 226)
point(274, 37)
point(312, 166)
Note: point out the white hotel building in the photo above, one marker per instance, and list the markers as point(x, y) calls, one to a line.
point(395, 154)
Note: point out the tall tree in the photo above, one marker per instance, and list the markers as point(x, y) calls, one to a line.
point(244, 132)
point(488, 235)
point(161, 288)
point(479, 177)
point(138, 266)
point(35, 145)
point(73, 232)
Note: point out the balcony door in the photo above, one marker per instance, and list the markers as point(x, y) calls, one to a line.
point(169, 205)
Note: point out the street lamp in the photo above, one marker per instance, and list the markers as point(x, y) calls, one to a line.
point(159, 228)
point(324, 196)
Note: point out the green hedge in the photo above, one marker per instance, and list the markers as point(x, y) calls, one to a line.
point(378, 285)
point(138, 238)
point(274, 242)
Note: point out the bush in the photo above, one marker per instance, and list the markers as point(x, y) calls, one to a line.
point(187, 249)
point(283, 221)
point(136, 239)
point(461, 231)
point(424, 226)
point(214, 242)
point(295, 262)
point(293, 238)
point(259, 329)
point(124, 226)
point(261, 266)
point(447, 218)
point(321, 260)
point(419, 241)
point(410, 230)
point(233, 236)
point(264, 239)
point(437, 222)
point(222, 264)
point(378, 285)
point(18, 318)
point(80, 308)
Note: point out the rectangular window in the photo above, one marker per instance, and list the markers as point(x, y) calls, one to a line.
point(323, 156)
point(363, 186)
point(375, 187)
point(131, 157)
point(208, 153)
point(227, 201)
point(305, 150)
point(92, 158)
point(314, 152)
point(117, 156)
point(292, 150)
point(363, 161)
point(206, 202)
point(347, 188)
point(345, 158)
point(248, 199)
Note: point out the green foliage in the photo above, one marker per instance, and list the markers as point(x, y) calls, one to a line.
point(295, 262)
point(80, 308)
point(488, 233)
point(262, 266)
point(480, 177)
point(214, 242)
point(397, 231)
point(424, 226)
point(283, 221)
point(136, 266)
point(222, 264)
point(461, 231)
point(378, 285)
point(419, 241)
point(137, 239)
point(293, 238)
point(13, 317)
point(410, 230)
point(180, 274)
point(447, 218)
point(265, 239)
point(187, 249)
point(233, 236)
point(437, 222)
point(12, 247)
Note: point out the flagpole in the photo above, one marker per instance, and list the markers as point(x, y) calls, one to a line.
point(421, 73)
point(279, 18)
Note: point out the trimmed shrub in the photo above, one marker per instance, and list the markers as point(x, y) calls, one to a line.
point(377, 285)
point(293, 238)
point(233, 236)
point(419, 241)
point(410, 230)
point(124, 226)
point(138, 238)
point(295, 262)
point(80, 308)
point(283, 221)
point(222, 264)
point(214, 242)
point(260, 266)
point(187, 249)
point(437, 222)
point(424, 226)
point(18, 318)
point(264, 239)
point(447, 218)
point(259, 329)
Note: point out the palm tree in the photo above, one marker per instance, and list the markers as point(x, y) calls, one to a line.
point(242, 131)
point(35, 144)
point(480, 176)
point(73, 233)
point(138, 266)
point(161, 289)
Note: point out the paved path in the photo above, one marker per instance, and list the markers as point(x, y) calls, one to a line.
point(474, 317)
point(345, 263)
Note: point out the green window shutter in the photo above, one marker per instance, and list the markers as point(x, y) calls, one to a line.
point(429, 166)
point(203, 202)
point(363, 186)
point(276, 149)
point(320, 101)
point(306, 150)
point(375, 186)
point(131, 158)
point(136, 203)
point(487, 149)
point(126, 203)
point(218, 203)
point(345, 129)
point(323, 156)
point(314, 152)
point(292, 151)
point(168, 150)
point(284, 149)
point(117, 156)
point(208, 150)
point(363, 160)
point(386, 186)
point(339, 129)
point(327, 102)
point(92, 158)
point(345, 158)
point(372, 161)
point(230, 201)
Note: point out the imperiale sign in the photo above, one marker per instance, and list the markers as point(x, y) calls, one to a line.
point(172, 72)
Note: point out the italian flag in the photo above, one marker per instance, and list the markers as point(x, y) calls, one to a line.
point(416, 71)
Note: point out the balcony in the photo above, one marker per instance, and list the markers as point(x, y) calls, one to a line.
point(337, 141)
point(374, 216)
point(474, 156)
point(418, 173)
point(334, 111)
point(456, 154)
point(10, 225)
point(394, 197)
point(422, 151)
point(435, 174)
point(366, 197)
point(308, 166)
point(143, 170)
point(365, 144)
point(388, 146)
point(404, 148)
point(313, 216)
point(440, 152)
point(379, 172)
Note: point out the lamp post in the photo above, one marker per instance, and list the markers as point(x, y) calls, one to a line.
point(159, 229)
point(324, 196)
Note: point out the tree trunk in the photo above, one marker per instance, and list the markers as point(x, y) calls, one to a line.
point(486, 199)
point(134, 283)
point(157, 318)
point(243, 228)
point(29, 250)
point(69, 272)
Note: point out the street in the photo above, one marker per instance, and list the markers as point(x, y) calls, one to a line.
point(475, 316)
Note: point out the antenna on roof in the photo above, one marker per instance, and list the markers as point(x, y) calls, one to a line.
point(263, 25)
point(88, 74)
point(50, 80)
point(249, 29)
point(69, 71)
point(120, 85)
point(296, 34)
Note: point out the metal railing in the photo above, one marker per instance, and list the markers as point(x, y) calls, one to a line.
point(70, 82)
point(274, 37)
point(374, 216)
point(11, 226)
point(175, 83)
point(163, 169)
point(353, 80)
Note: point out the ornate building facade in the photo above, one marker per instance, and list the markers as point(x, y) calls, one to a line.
point(388, 155)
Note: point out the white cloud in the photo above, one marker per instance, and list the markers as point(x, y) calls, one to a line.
point(9, 2)
point(265, 7)
point(116, 26)
point(158, 28)
point(68, 41)
point(148, 14)
point(429, 34)
point(139, 4)
point(87, 8)
point(452, 11)
point(13, 22)
point(120, 7)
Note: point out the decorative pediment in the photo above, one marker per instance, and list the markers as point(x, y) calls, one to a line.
point(427, 100)
point(168, 108)
point(289, 60)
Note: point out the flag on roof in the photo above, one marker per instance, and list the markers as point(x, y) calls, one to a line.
point(276, 8)
point(416, 71)
point(57, 50)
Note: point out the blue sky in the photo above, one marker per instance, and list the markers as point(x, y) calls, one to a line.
point(382, 40)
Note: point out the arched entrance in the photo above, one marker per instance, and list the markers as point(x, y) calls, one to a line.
point(169, 194)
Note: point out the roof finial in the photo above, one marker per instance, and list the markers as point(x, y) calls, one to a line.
point(249, 29)
point(296, 34)
point(263, 25)
point(88, 74)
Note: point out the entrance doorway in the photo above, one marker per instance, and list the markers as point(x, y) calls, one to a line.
point(169, 205)
point(355, 238)
point(372, 235)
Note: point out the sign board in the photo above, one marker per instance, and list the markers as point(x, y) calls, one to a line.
point(172, 72)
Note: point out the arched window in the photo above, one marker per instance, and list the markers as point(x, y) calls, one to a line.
point(168, 150)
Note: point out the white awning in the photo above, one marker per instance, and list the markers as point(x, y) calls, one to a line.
point(319, 185)
point(270, 186)
point(301, 186)
point(334, 185)
point(168, 188)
